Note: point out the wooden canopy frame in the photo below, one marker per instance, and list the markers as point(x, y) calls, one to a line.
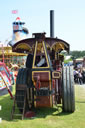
point(27, 45)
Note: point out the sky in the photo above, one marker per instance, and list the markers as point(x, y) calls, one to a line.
point(69, 19)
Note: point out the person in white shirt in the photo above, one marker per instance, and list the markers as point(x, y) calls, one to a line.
point(41, 62)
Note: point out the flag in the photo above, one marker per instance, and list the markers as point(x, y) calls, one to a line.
point(14, 11)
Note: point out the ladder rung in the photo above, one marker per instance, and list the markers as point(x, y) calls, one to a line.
point(18, 108)
point(20, 95)
point(19, 101)
point(17, 114)
point(21, 90)
point(22, 107)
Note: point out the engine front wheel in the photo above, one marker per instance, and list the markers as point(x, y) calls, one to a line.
point(68, 96)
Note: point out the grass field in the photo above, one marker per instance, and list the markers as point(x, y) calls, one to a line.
point(46, 118)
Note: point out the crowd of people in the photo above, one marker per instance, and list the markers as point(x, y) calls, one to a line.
point(79, 76)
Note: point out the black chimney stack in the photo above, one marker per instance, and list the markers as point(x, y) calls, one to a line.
point(51, 23)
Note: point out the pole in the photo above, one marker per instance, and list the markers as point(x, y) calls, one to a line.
point(52, 23)
point(3, 52)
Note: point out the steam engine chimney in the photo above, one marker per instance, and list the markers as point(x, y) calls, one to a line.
point(51, 23)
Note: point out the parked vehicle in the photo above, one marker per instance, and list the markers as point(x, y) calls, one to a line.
point(47, 84)
point(45, 80)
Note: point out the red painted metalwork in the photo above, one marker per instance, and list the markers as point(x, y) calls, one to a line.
point(5, 77)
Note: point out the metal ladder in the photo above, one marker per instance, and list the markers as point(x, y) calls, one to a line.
point(19, 104)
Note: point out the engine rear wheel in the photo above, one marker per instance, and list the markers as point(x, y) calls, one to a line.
point(68, 96)
point(23, 82)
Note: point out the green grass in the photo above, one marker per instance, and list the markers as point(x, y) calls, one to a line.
point(46, 118)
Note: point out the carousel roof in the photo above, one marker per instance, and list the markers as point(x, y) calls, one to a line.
point(8, 52)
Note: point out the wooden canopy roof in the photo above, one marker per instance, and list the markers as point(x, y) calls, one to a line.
point(53, 43)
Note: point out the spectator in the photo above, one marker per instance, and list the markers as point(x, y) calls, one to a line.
point(83, 76)
point(80, 77)
point(76, 76)
point(29, 61)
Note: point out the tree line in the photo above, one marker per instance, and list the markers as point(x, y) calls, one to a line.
point(77, 54)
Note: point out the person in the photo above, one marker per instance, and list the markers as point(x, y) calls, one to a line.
point(42, 62)
point(29, 61)
point(12, 77)
point(76, 76)
point(80, 77)
point(83, 75)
